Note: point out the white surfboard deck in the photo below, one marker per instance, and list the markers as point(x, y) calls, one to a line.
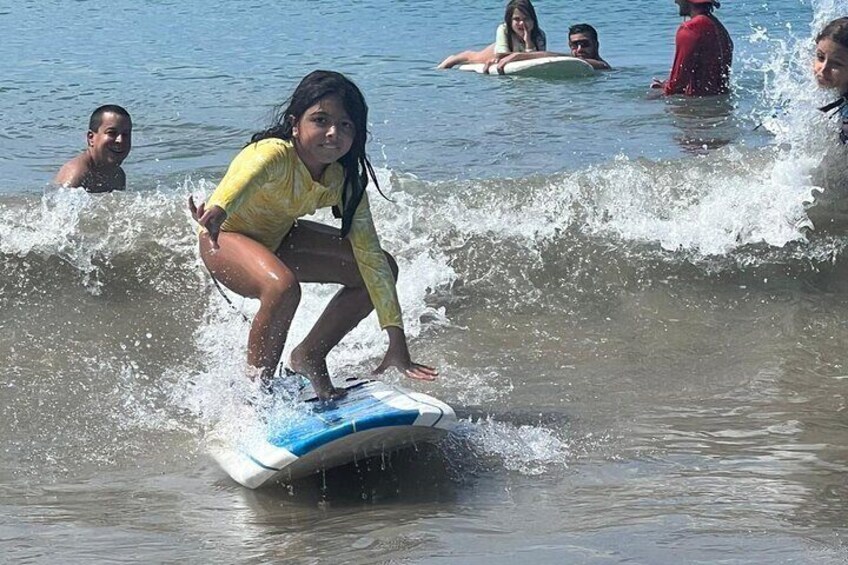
point(374, 417)
point(543, 67)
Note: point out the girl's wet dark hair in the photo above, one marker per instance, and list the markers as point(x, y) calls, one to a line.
point(527, 7)
point(357, 168)
point(836, 31)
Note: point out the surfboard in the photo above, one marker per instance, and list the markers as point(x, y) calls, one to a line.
point(373, 418)
point(544, 67)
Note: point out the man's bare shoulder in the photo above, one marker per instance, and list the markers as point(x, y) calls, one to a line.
point(74, 172)
point(599, 64)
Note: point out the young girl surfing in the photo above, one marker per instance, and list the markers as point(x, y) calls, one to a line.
point(830, 67)
point(313, 156)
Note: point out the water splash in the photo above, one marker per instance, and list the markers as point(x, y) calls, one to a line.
point(525, 449)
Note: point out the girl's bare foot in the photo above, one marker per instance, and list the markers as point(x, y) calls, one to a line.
point(316, 371)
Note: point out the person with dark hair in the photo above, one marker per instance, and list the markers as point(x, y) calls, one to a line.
point(98, 168)
point(584, 44)
point(519, 33)
point(703, 53)
point(582, 41)
point(252, 240)
point(830, 68)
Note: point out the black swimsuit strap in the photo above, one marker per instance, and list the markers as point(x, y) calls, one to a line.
point(227, 298)
point(837, 104)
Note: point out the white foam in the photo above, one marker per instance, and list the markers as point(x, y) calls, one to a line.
point(529, 450)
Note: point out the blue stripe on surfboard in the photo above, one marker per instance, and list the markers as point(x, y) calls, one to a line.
point(347, 411)
point(324, 436)
point(419, 401)
point(359, 411)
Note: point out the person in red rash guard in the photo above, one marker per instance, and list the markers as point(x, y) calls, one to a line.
point(703, 53)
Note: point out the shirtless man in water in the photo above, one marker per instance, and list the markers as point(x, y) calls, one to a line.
point(584, 44)
point(98, 168)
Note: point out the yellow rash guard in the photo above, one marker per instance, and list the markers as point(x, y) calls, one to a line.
point(266, 189)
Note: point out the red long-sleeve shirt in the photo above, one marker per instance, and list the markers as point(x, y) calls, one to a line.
point(702, 58)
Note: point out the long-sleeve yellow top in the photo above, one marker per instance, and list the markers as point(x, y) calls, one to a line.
point(267, 188)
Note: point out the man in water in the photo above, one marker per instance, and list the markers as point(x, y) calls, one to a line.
point(703, 53)
point(584, 44)
point(98, 168)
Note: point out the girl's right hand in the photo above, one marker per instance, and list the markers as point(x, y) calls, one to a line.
point(210, 219)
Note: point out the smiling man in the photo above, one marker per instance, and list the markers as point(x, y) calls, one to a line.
point(98, 168)
point(584, 44)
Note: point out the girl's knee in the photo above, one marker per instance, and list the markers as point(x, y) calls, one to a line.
point(280, 289)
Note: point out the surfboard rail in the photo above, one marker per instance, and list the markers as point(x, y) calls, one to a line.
point(556, 67)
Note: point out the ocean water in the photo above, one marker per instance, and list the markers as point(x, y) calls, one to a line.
point(638, 306)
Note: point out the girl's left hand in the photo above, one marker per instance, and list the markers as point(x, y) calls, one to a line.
point(398, 356)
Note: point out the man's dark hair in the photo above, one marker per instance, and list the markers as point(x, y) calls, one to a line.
point(96, 118)
point(583, 28)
